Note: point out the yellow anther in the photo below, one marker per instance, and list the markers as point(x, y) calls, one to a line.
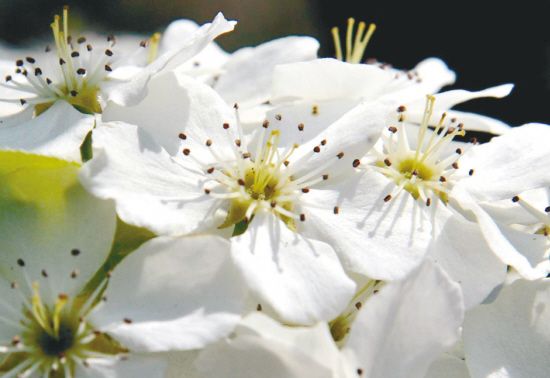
point(57, 310)
point(154, 47)
point(355, 49)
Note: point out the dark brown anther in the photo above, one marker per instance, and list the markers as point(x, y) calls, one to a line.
point(340, 155)
point(241, 182)
point(315, 110)
point(30, 60)
point(473, 140)
point(358, 305)
point(393, 129)
point(246, 155)
point(515, 199)
point(18, 71)
point(286, 163)
point(458, 151)
point(21, 262)
point(48, 81)
point(108, 68)
point(453, 120)
point(22, 101)
point(387, 198)
point(81, 40)
point(455, 165)
point(75, 252)
point(375, 291)
point(323, 142)
point(44, 273)
point(547, 210)
point(14, 285)
point(442, 179)
point(75, 54)
point(210, 170)
point(81, 71)
point(108, 52)
point(428, 202)
point(278, 117)
point(37, 71)
point(265, 124)
point(259, 307)
point(89, 47)
point(182, 136)
point(336, 210)
point(186, 151)
point(24, 73)
point(15, 340)
point(127, 321)
point(303, 217)
point(301, 127)
point(226, 126)
point(401, 109)
point(69, 39)
point(305, 190)
point(238, 142)
point(74, 93)
point(325, 177)
point(206, 191)
point(317, 149)
point(196, 64)
point(415, 172)
point(8, 78)
point(19, 63)
point(111, 38)
point(359, 372)
point(471, 172)
point(356, 163)
point(61, 61)
point(144, 43)
point(74, 273)
point(208, 142)
point(48, 48)
point(387, 162)
point(236, 106)
point(273, 204)
point(460, 126)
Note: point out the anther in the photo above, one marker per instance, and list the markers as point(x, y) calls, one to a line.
point(81, 71)
point(356, 163)
point(401, 118)
point(238, 142)
point(22, 101)
point(48, 48)
point(30, 60)
point(108, 52)
point(44, 273)
point(226, 126)
point(358, 305)
point(18, 71)
point(471, 172)
point(393, 129)
point(453, 120)
point(301, 127)
point(278, 117)
point(286, 163)
point(305, 190)
point(336, 210)
point(61, 61)
point(415, 172)
point(317, 149)
point(8, 78)
point(111, 38)
point(15, 340)
point(387, 162)
point(74, 93)
point(236, 106)
point(21, 262)
point(315, 110)
point(48, 81)
point(515, 199)
point(303, 217)
point(340, 155)
point(547, 210)
point(75, 252)
point(241, 182)
point(74, 273)
point(473, 140)
point(89, 47)
point(273, 204)
point(209, 142)
point(460, 126)
point(19, 63)
point(186, 151)
point(458, 151)
point(259, 308)
point(359, 372)
point(182, 136)
point(37, 71)
point(455, 165)
point(401, 109)
point(265, 124)
point(144, 43)
point(127, 321)
point(325, 177)
point(81, 40)
point(387, 198)
point(108, 68)
point(428, 202)
point(14, 285)
point(24, 73)
point(210, 170)
point(246, 155)
point(206, 191)
point(442, 179)
point(75, 54)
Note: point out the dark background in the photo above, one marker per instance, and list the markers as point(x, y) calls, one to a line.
point(486, 43)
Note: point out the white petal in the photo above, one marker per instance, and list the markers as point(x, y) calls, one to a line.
point(150, 189)
point(301, 279)
point(249, 70)
point(374, 238)
point(329, 79)
point(200, 114)
point(502, 248)
point(448, 367)
point(47, 217)
point(461, 250)
point(133, 367)
point(131, 93)
point(509, 164)
point(510, 336)
point(58, 132)
point(178, 293)
point(400, 331)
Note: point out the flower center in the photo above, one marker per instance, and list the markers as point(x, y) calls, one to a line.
point(423, 172)
point(355, 49)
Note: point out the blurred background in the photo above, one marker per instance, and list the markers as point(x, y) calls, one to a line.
point(486, 42)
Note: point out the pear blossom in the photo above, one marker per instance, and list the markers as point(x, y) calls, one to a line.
point(398, 332)
point(191, 168)
point(86, 78)
point(163, 296)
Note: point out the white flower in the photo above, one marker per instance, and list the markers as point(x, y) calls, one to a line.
point(169, 294)
point(84, 77)
point(398, 332)
point(201, 162)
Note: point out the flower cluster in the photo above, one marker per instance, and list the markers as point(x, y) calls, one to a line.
point(169, 209)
